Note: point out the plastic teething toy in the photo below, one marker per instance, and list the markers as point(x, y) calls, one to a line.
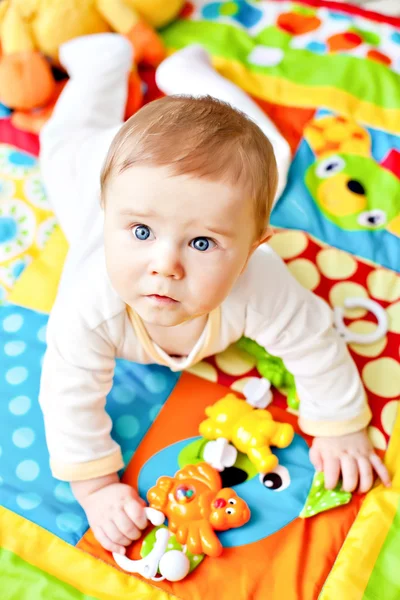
point(252, 431)
point(148, 566)
point(196, 504)
point(220, 454)
point(173, 565)
point(351, 337)
point(258, 392)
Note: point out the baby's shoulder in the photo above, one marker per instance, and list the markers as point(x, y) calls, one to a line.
point(262, 287)
point(260, 275)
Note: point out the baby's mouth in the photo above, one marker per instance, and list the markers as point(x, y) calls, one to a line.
point(162, 299)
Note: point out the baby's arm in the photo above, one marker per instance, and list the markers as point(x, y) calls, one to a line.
point(77, 375)
point(294, 324)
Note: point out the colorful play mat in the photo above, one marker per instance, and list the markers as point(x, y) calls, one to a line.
point(328, 74)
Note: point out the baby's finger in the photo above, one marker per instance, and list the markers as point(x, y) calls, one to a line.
point(114, 534)
point(136, 513)
point(125, 525)
point(380, 469)
point(315, 457)
point(331, 471)
point(105, 541)
point(366, 474)
point(349, 472)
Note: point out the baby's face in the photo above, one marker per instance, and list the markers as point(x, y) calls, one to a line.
point(175, 245)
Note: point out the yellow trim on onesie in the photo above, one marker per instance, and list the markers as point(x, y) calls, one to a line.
point(202, 348)
point(88, 470)
point(333, 428)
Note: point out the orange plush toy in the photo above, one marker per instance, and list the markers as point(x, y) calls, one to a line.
point(31, 32)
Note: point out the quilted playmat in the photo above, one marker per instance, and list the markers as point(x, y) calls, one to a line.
point(329, 77)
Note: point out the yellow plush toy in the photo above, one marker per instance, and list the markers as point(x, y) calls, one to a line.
point(252, 431)
point(31, 32)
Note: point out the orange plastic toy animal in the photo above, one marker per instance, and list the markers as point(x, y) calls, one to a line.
point(195, 505)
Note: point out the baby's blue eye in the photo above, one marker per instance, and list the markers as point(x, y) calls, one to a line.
point(202, 244)
point(142, 232)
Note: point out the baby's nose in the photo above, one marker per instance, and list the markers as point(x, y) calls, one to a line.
point(167, 263)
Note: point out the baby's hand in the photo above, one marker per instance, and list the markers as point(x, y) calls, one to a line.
point(351, 456)
point(116, 515)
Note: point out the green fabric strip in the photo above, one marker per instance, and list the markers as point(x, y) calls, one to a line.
point(384, 582)
point(20, 580)
point(365, 79)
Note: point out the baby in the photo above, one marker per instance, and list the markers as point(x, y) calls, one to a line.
point(170, 272)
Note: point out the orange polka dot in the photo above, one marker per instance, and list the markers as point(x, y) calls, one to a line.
point(297, 24)
point(379, 57)
point(344, 41)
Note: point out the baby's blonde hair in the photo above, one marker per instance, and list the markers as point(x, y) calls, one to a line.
point(203, 137)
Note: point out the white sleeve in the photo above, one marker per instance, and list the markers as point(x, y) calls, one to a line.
point(87, 116)
point(77, 375)
point(294, 324)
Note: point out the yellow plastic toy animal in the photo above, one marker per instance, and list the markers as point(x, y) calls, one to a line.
point(251, 431)
point(31, 32)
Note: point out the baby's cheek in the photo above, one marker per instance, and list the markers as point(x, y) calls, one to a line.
point(118, 272)
point(211, 288)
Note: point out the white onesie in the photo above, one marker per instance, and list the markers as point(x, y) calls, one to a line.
point(90, 326)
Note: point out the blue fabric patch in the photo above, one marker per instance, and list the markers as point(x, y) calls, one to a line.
point(5, 112)
point(317, 47)
point(26, 484)
point(240, 11)
point(340, 16)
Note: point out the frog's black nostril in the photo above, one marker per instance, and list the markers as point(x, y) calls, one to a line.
point(356, 187)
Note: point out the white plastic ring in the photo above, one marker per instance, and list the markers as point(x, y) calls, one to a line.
point(351, 337)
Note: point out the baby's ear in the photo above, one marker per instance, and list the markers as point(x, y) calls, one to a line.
point(265, 236)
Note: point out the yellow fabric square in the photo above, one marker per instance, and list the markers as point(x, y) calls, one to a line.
point(26, 216)
point(37, 286)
